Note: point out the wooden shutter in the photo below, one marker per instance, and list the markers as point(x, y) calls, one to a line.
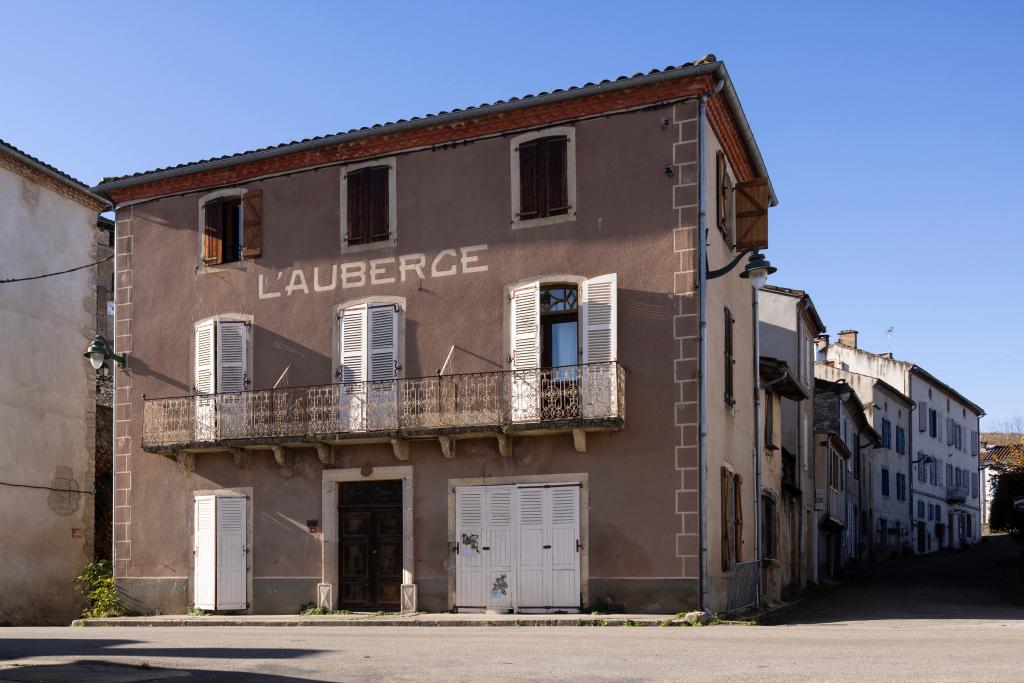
point(726, 521)
point(738, 491)
point(721, 192)
point(752, 199)
point(204, 583)
point(205, 353)
point(383, 342)
point(556, 175)
point(357, 206)
point(353, 344)
point(600, 338)
point(213, 232)
point(252, 224)
point(379, 212)
point(231, 553)
point(469, 539)
point(232, 355)
point(525, 326)
point(529, 180)
point(922, 416)
point(728, 350)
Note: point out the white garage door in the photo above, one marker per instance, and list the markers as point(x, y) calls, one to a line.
point(517, 548)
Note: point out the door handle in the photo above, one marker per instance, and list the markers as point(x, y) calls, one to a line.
point(486, 547)
point(547, 547)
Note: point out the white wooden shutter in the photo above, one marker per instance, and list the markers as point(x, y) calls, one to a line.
point(564, 535)
point(525, 346)
point(600, 338)
point(205, 372)
point(353, 344)
point(204, 584)
point(531, 589)
point(469, 534)
point(949, 431)
point(231, 553)
point(352, 398)
point(232, 341)
point(499, 508)
point(383, 342)
point(922, 416)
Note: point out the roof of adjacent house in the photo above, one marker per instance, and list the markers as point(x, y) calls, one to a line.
point(705, 66)
point(803, 296)
point(1004, 454)
point(825, 387)
point(25, 163)
point(776, 377)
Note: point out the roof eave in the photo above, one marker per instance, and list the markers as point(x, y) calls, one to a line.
point(63, 179)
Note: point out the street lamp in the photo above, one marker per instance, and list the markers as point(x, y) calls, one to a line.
point(98, 352)
point(757, 270)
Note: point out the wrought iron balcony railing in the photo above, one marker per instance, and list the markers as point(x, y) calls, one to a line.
point(545, 398)
point(956, 494)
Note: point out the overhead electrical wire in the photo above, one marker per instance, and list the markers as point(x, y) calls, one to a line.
point(59, 272)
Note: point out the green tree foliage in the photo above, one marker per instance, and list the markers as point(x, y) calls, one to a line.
point(1004, 517)
point(97, 584)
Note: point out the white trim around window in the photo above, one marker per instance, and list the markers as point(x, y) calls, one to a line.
point(570, 172)
point(347, 248)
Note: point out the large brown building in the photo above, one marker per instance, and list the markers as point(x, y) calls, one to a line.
point(392, 366)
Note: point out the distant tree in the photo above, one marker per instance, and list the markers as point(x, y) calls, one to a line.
point(1004, 516)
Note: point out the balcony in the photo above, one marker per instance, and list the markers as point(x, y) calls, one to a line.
point(575, 399)
point(957, 494)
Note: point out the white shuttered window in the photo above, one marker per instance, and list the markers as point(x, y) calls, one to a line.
point(221, 356)
point(600, 339)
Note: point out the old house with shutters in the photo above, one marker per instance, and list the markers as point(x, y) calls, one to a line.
point(48, 416)
point(943, 494)
point(391, 367)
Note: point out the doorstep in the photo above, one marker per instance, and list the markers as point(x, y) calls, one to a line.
point(372, 619)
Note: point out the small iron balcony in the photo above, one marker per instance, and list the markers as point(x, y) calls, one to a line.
point(956, 494)
point(587, 397)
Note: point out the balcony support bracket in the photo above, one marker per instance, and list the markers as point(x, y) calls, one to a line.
point(241, 457)
point(186, 461)
point(579, 440)
point(505, 445)
point(447, 447)
point(281, 455)
point(401, 449)
point(324, 452)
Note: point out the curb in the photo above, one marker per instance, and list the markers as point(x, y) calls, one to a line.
point(207, 621)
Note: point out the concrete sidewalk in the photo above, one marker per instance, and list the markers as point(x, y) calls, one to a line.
point(374, 619)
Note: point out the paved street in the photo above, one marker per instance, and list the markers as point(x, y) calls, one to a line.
point(938, 618)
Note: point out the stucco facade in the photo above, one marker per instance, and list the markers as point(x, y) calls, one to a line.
point(47, 390)
point(452, 268)
point(944, 440)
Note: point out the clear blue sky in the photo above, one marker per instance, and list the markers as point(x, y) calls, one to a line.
point(892, 132)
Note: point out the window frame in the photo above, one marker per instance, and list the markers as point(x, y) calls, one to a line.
point(232, 192)
point(392, 239)
point(569, 132)
point(244, 318)
point(376, 300)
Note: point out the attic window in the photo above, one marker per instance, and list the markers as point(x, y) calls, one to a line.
point(232, 226)
point(543, 177)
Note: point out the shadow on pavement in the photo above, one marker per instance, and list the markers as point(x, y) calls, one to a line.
point(106, 672)
point(964, 584)
point(14, 648)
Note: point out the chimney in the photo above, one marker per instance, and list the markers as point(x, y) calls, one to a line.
point(821, 343)
point(848, 338)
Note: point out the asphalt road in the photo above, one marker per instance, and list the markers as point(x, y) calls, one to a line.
point(937, 619)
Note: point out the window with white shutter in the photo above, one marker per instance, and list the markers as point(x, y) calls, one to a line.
point(353, 344)
point(205, 354)
point(525, 353)
point(600, 338)
point(368, 363)
point(231, 356)
point(383, 342)
point(922, 416)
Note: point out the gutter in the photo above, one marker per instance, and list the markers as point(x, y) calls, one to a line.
point(713, 68)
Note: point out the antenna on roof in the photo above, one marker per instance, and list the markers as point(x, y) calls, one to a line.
point(888, 334)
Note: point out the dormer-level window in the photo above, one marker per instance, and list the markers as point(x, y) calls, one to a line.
point(543, 177)
point(367, 205)
point(232, 226)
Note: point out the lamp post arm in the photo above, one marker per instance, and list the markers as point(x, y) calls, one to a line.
point(712, 274)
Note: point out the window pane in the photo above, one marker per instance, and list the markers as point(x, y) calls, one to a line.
point(563, 345)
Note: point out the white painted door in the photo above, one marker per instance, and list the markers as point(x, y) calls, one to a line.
point(548, 572)
point(231, 553)
point(525, 351)
point(483, 563)
point(204, 584)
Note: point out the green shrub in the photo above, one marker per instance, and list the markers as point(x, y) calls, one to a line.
point(97, 584)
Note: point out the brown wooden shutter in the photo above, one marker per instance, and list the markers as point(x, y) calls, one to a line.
point(213, 232)
point(752, 199)
point(379, 215)
point(356, 204)
point(728, 349)
point(722, 193)
point(529, 180)
point(738, 491)
point(726, 552)
point(252, 227)
point(556, 176)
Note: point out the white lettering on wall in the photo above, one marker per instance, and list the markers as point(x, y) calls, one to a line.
point(382, 271)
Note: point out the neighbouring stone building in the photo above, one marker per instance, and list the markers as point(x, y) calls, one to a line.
point(944, 445)
point(391, 367)
point(48, 223)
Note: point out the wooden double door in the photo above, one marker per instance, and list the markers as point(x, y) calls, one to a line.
point(370, 547)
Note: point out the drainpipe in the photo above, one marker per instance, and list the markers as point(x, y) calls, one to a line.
point(702, 259)
point(757, 444)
